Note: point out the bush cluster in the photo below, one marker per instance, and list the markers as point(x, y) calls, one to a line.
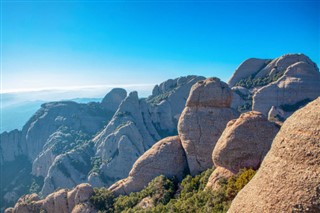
point(167, 195)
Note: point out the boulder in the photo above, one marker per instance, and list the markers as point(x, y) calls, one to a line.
point(289, 177)
point(113, 99)
point(216, 176)
point(166, 158)
point(244, 142)
point(203, 120)
point(62, 201)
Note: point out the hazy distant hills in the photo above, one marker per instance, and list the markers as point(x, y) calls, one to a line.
point(16, 114)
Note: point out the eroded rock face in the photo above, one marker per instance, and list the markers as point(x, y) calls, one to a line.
point(285, 83)
point(202, 121)
point(166, 158)
point(10, 146)
point(64, 201)
point(300, 81)
point(244, 142)
point(247, 68)
point(288, 179)
point(113, 99)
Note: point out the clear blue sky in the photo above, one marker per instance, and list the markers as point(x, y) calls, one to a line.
point(77, 43)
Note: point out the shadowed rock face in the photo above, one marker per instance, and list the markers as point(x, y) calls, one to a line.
point(288, 179)
point(244, 142)
point(62, 201)
point(166, 157)
point(203, 120)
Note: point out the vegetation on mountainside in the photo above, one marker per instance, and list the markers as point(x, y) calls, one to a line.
point(16, 180)
point(168, 195)
point(251, 82)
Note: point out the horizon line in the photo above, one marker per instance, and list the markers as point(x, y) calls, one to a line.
point(72, 88)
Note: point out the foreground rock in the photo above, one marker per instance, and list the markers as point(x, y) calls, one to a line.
point(216, 176)
point(289, 177)
point(245, 142)
point(203, 120)
point(62, 201)
point(166, 158)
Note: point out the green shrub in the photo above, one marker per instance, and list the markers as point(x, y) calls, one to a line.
point(238, 181)
point(166, 195)
point(103, 200)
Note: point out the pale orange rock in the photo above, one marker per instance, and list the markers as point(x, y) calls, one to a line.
point(289, 177)
point(203, 120)
point(166, 158)
point(244, 142)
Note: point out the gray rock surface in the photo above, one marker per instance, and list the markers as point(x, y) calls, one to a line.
point(10, 146)
point(244, 142)
point(166, 158)
point(289, 177)
point(203, 120)
point(300, 81)
point(113, 99)
point(282, 82)
point(247, 68)
point(138, 124)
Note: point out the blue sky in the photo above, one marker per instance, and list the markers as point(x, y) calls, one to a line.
point(53, 44)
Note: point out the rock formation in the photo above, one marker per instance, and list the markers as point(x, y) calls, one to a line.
point(285, 84)
point(202, 121)
point(247, 68)
point(166, 157)
point(300, 81)
point(135, 127)
point(113, 99)
point(245, 142)
point(288, 179)
point(62, 201)
point(55, 129)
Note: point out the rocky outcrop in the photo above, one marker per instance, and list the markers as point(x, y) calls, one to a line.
point(55, 129)
point(10, 146)
point(244, 142)
point(69, 169)
point(249, 67)
point(166, 157)
point(113, 99)
point(204, 118)
point(300, 81)
point(219, 173)
point(167, 102)
point(137, 125)
point(288, 179)
point(285, 83)
point(64, 201)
